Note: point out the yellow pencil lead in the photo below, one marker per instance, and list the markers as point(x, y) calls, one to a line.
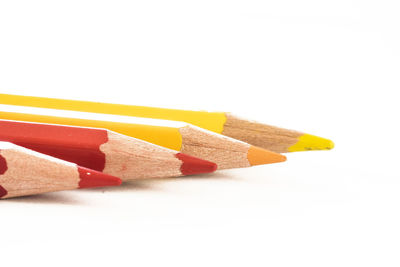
point(308, 142)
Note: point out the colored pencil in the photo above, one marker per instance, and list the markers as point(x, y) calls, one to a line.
point(224, 151)
point(102, 150)
point(258, 134)
point(26, 172)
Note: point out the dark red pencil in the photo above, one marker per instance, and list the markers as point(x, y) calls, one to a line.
point(103, 150)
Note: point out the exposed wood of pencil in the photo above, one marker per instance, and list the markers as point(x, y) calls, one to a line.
point(230, 153)
point(131, 158)
point(258, 134)
point(271, 137)
point(194, 141)
point(25, 172)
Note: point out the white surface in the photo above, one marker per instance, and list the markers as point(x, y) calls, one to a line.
point(330, 68)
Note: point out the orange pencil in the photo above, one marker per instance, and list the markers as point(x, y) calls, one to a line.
point(226, 152)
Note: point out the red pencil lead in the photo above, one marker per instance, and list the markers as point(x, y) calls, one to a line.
point(90, 178)
point(193, 165)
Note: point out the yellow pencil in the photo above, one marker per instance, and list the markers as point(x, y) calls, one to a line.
point(258, 134)
point(224, 151)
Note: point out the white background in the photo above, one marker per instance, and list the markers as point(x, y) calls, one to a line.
point(329, 68)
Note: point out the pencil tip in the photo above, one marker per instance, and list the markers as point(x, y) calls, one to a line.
point(308, 142)
point(259, 156)
point(91, 178)
point(192, 165)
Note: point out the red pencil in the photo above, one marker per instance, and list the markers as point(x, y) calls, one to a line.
point(103, 150)
point(26, 172)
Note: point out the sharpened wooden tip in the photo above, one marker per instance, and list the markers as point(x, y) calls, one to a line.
point(308, 142)
point(90, 178)
point(192, 165)
point(259, 156)
point(26, 172)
